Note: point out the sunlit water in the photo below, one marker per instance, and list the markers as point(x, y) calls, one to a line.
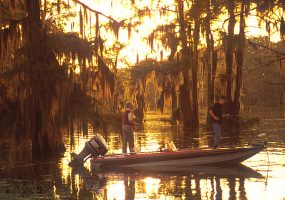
point(260, 177)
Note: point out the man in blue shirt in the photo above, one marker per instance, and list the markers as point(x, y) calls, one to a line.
point(216, 115)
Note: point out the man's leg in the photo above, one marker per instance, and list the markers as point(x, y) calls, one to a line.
point(131, 140)
point(124, 139)
point(218, 132)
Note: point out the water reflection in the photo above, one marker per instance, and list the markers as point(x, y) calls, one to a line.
point(194, 184)
point(91, 184)
point(20, 178)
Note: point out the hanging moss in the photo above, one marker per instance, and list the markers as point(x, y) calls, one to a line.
point(282, 29)
point(144, 12)
point(58, 5)
point(85, 16)
point(165, 75)
point(71, 46)
point(129, 30)
point(81, 21)
point(9, 42)
point(45, 7)
point(151, 40)
point(115, 27)
point(106, 77)
point(138, 59)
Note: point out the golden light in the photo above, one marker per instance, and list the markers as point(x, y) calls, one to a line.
point(152, 187)
point(206, 188)
point(116, 190)
point(152, 145)
point(272, 186)
point(137, 45)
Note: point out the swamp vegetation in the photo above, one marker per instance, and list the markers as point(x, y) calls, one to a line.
point(61, 65)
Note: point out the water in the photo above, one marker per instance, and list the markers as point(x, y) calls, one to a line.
point(260, 177)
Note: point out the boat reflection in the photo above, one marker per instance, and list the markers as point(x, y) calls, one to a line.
point(91, 182)
point(201, 182)
point(238, 171)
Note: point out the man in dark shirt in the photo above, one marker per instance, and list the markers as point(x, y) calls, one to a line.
point(216, 119)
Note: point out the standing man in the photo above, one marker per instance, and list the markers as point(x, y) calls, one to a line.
point(128, 124)
point(216, 119)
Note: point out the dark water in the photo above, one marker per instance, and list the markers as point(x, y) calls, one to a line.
point(260, 177)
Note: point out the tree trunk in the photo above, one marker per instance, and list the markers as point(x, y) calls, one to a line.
point(33, 40)
point(214, 72)
point(182, 30)
point(184, 96)
point(209, 58)
point(174, 99)
point(194, 73)
point(38, 53)
point(239, 61)
point(139, 112)
point(34, 30)
point(185, 104)
point(230, 48)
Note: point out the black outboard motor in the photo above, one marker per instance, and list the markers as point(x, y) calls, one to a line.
point(94, 147)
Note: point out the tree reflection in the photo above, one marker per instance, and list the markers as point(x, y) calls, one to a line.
point(218, 189)
point(242, 192)
point(232, 186)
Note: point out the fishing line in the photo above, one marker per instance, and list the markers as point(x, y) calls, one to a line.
point(26, 165)
point(266, 149)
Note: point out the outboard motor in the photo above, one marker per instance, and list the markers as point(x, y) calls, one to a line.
point(94, 147)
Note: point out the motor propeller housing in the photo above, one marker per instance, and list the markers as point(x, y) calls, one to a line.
point(96, 146)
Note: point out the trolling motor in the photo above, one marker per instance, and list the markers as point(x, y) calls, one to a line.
point(96, 146)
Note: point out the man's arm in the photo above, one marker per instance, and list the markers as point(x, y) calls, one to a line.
point(213, 115)
point(131, 119)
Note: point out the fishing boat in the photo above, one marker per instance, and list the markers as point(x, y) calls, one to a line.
point(173, 159)
point(96, 149)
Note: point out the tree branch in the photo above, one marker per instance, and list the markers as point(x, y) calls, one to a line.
point(266, 64)
point(92, 10)
point(265, 47)
point(272, 83)
point(109, 17)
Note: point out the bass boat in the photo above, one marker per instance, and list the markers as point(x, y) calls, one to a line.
point(97, 148)
point(174, 159)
